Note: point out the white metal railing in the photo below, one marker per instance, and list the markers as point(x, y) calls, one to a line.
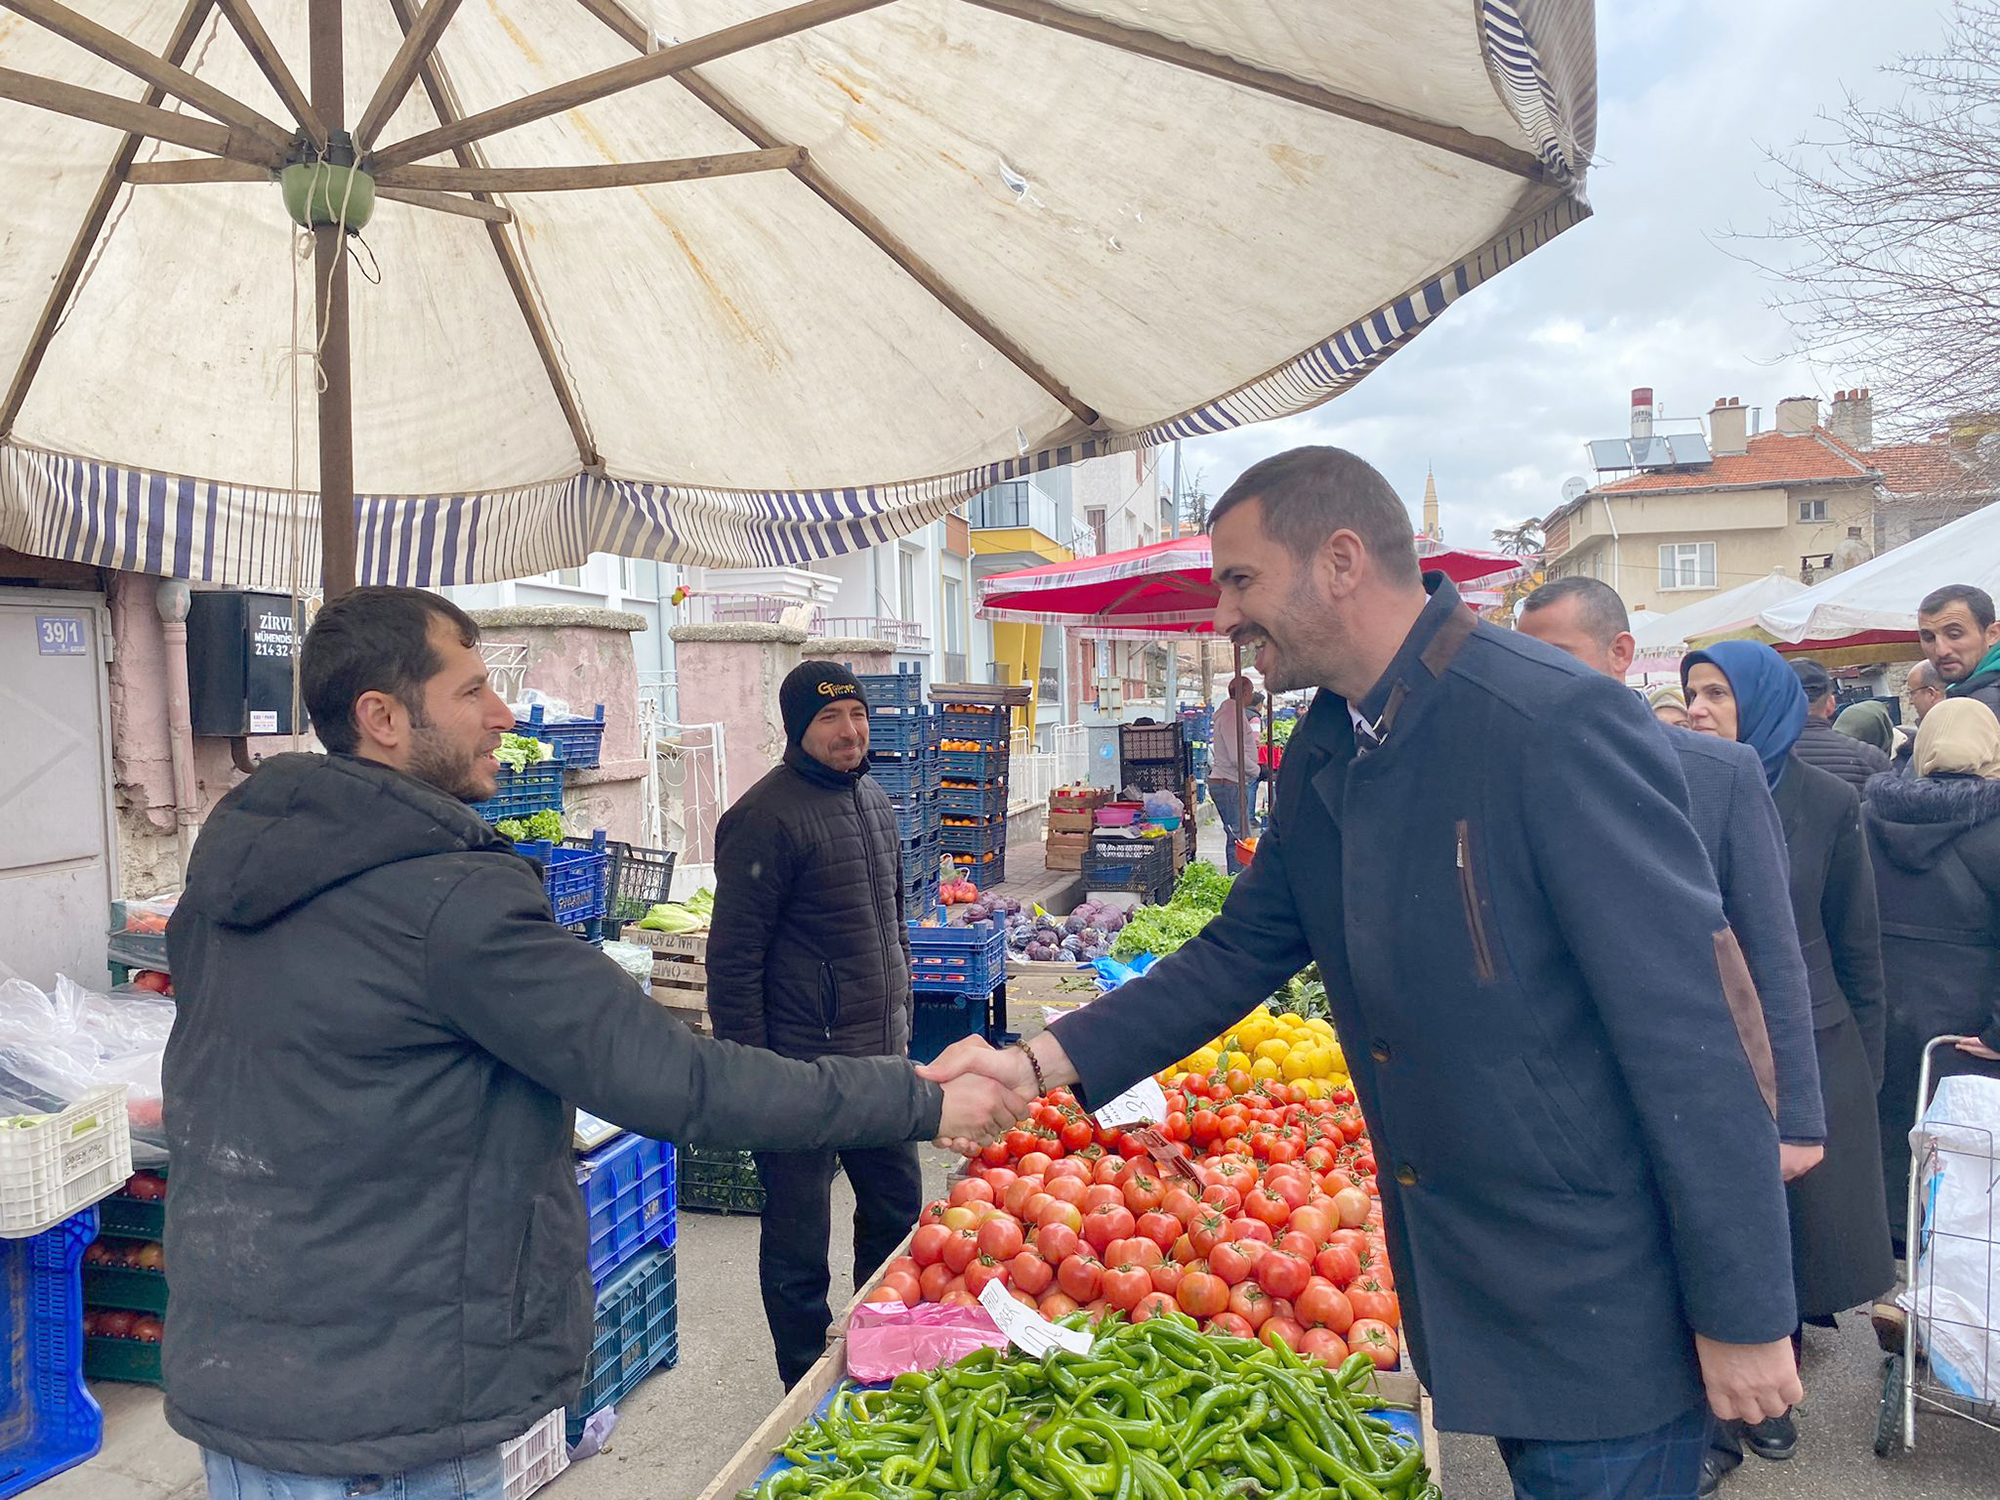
point(662, 690)
point(506, 668)
point(1071, 744)
point(686, 789)
point(1031, 774)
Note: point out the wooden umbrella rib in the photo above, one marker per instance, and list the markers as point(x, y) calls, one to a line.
point(202, 169)
point(444, 105)
point(122, 52)
point(446, 203)
point(420, 41)
point(619, 78)
point(94, 220)
point(1482, 149)
point(615, 174)
point(138, 119)
point(271, 63)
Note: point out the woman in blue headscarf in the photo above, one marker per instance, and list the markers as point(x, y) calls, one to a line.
point(1740, 690)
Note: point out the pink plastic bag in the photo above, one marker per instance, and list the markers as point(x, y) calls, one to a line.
point(885, 1340)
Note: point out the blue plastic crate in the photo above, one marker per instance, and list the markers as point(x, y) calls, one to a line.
point(987, 838)
point(972, 802)
point(888, 735)
point(982, 766)
point(578, 742)
point(577, 880)
point(537, 789)
point(990, 726)
point(48, 1420)
point(969, 959)
point(938, 1020)
point(628, 1189)
point(983, 870)
point(899, 778)
point(638, 1332)
point(902, 688)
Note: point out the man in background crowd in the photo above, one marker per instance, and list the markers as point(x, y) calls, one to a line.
point(1926, 692)
point(1852, 760)
point(1232, 773)
point(1961, 638)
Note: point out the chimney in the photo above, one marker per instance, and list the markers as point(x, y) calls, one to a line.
point(1853, 419)
point(1798, 415)
point(1727, 433)
point(1642, 412)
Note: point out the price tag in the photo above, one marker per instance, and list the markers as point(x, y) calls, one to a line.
point(1026, 1329)
point(1142, 1104)
point(263, 721)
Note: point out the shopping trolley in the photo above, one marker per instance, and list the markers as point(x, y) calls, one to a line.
point(1950, 1360)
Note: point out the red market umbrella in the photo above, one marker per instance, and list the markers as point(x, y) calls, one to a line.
point(1165, 589)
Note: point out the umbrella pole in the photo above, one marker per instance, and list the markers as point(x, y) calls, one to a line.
point(336, 400)
point(1236, 724)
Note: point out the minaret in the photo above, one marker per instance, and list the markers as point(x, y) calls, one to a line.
point(1431, 527)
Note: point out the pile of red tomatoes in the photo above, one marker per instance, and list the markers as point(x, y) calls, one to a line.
point(1278, 1234)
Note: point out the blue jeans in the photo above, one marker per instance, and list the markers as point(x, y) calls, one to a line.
point(1664, 1464)
point(476, 1476)
point(1228, 797)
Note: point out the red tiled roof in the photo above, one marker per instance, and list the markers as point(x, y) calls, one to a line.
point(1774, 458)
point(1919, 468)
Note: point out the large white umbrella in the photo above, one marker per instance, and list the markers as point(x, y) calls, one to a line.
point(720, 282)
point(1662, 639)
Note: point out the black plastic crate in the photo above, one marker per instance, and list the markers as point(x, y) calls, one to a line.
point(636, 879)
point(1150, 742)
point(1153, 776)
point(719, 1182)
point(939, 1020)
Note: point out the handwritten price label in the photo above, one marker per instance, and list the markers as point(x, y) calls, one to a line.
point(1026, 1329)
point(1142, 1104)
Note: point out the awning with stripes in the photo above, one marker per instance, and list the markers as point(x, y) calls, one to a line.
point(893, 253)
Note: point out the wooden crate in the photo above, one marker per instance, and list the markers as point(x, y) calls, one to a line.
point(680, 973)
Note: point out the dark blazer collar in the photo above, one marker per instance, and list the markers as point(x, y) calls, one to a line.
point(1427, 650)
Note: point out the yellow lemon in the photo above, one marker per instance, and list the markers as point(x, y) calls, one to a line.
point(1298, 1064)
point(1320, 1024)
point(1273, 1049)
point(1264, 1067)
point(1313, 1087)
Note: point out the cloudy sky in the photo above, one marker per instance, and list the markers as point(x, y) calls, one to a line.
point(1501, 393)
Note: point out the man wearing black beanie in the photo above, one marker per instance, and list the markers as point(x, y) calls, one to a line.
point(808, 956)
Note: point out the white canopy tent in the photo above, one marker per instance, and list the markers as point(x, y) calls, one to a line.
point(780, 284)
point(1662, 639)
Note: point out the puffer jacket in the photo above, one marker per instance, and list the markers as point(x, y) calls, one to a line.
point(379, 1250)
point(807, 951)
point(1852, 760)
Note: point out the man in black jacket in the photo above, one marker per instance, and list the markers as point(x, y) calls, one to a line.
point(1820, 744)
point(380, 1254)
point(1961, 638)
point(1580, 1179)
point(809, 956)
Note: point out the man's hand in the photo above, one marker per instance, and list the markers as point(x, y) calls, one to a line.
point(1749, 1382)
point(978, 1110)
point(1977, 1048)
point(973, 1054)
point(1795, 1161)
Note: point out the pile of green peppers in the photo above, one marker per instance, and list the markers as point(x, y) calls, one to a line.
point(1155, 1411)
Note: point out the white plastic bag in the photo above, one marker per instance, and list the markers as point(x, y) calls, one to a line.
point(1956, 1297)
point(56, 1047)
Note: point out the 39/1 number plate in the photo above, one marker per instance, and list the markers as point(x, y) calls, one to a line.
point(60, 635)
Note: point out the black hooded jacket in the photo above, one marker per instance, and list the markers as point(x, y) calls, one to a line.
point(379, 1251)
point(1935, 841)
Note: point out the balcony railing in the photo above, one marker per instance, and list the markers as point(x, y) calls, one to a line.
point(1016, 504)
point(1048, 685)
point(904, 635)
point(752, 609)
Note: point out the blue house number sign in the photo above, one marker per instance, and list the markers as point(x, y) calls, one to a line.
point(59, 635)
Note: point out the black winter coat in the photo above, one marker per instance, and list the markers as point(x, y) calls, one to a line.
point(1577, 1167)
point(1984, 687)
point(1852, 760)
point(379, 1249)
point(807, 951)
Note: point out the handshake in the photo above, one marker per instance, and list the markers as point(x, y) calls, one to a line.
point(988, 1090)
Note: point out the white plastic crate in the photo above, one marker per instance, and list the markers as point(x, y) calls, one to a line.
point(537, 1456)
point(61, 1165)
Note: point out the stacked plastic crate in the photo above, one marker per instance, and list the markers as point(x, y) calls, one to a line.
point(575, 871)
point(903, 758)
point(972, 789)
point(955, 975)
point(630, 1192)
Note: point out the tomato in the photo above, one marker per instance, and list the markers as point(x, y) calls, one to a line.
point(1283, 1150)
point(1175, 1127)
point(1055, 1305)
point(1057, 1212)
point(1076, 1134)
point(1001, 1237)
point(1029, 1273)
point(1325, 1345)
point(1108, 1171)
point(1301, 1245)
point(900, 1263)
point(1323, 1305)
point(1375, 1339)
point(1033, 1162)
point(1230, 1323)
point(1352, 1205)
point(1109, 1222)
point(1338, 1264)
point(1250, 1302)
point(1152, 1305)
point(1144, 1192)
point(1208, 1230)
point(906, 1285)
point(1247, 1228)
point(1180, 1203)
point(927, 1244)
point(1281, 1330)
point(886, 1293)
point(1068, 1167)
point(997, 1154)
point(970, 1190)
point(1125, 1285)
point(1266, 1205)
point(1071, 1190)
point(1080, 1276)
point(1136, 1251)
point(1223, 1196)
point(1372, 1302)
point(1055, 1243)
point(1238, 1081)
point(1281, 1273)
point(1353, 1239)
point(983, 1270)
point(1102, 1192)
point(1232, 1261)
point(1161, 1228)
point(1312, 1221)
point(1167, 1276)
point(1202, 1294)
point(1031, 1211)
point(1019, 1191)
point(961, 1249)
point(1294, 1190)
point(959, 1297)
point(1317, 1158)
point(934, 1280)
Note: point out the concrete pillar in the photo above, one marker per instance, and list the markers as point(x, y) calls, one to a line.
point(862, 655)
point(729, 675)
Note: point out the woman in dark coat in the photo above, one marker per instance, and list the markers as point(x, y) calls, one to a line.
point(1934, 837)
point(1841, 1258)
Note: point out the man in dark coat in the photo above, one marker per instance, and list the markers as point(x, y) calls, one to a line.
point(1579, 1175)
point(1820, 744)
point(1926, 691)
point(1732, 811)
point(808, 955)
point(1961, 638)
point(380, 1254)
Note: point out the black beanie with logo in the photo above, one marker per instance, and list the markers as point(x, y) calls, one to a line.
point(810, 687)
